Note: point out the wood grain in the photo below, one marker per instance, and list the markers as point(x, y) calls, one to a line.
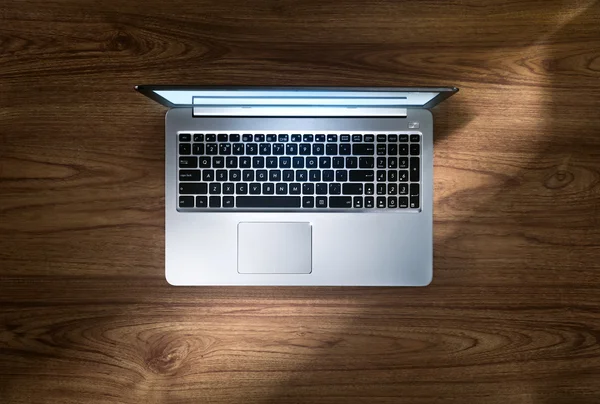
point(513, 314)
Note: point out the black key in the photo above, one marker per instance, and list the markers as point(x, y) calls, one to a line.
point(264, 149)
point(321, 189)
point(369, 189)
point(338, 162)
point(340, 202)
point(319, 138)
point(275, 175)
point(291, 149)
point(288, 175)
point(392, 138)
point(201, 201)
point(311, 162)
point(268, 188)
point(212, 149)
point(285, 162)
point(231, 162)
point(234, 137)
point(403, 202)
point(380, 189)
point(328, 175)
point(221, 175)
point(298, 162)
point(308, 201)
point(392, 189)
point(271, 138)
point(248, 175)
point(308, 188)
point(254, 189)
point(314, 175)
point(369, 202)
point(403, 162)
point(218, 162)
point(414, 189)
point(381, 162)
point(318, 149)
point(198, 137)
point(211, 137)
point(381, 138)
point(282, 138)
point(186, 201)
point(189, 175)
point(381, 150)
point(238, 149)
point(228, 188)
point(392, 175)
point(185, 137)
point(198, 149)
point(278, 149)
point(235, 175)
point(296, 138)
point(402, 189)
point(241, 188)
point(369, 138)
point(362, 175)
point(222, 137)
point(307, 138)
point(366, 162)
point(259, 138)
point(415, 138)
point(321, 202)
point(245, 162)
point(357, 138)
point(262, 175)
point(251, 149)
point(345, 149)
point(188, 162)
point(331, 149)
point(403, 149)
point(331, 138)
point(364, 149)
point(358, 202)
point(228, 201)
point(214, 201)
point(414, 202)
point(415, 149)
point(344, 138)
point(381, 175)
point(271, 162)
point(258, 162)
point(392, 202)
point(304, 149)
point(295, 189)
point(214, 188)
point(403, 176)
point(324, 162)
point(301, 175)
point(403, 138)
point(185, 148)
point(341, 175)
point(208, 175)
point(392, 149)
point(281, 188)
point(246, 137)
point(381, 201)
point(351, 162)
point(392, 162)
point(268, 201)
point(352, 189)
point(335, 188)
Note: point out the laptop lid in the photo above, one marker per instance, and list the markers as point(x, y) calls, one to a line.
point(297, 101)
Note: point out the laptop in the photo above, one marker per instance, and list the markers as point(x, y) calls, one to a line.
point(298, 185)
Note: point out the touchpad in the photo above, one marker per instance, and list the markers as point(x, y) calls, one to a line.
point(274, 248)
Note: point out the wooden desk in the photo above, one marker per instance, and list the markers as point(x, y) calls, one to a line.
point(513, 314)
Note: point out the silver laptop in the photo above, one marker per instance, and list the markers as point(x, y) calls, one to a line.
point(298, 185)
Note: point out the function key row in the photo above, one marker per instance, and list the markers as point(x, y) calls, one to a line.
point(355, 138)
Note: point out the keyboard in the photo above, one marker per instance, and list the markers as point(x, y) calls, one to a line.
point(299, 171)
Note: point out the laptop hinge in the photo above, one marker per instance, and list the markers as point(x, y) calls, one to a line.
point(295, 111)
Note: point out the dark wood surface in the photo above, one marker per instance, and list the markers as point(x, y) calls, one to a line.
point(513, 314)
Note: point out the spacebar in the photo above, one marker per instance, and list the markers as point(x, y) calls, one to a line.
point(268, 201)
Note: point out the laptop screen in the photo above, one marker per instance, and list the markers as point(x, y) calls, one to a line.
point(176, 96)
